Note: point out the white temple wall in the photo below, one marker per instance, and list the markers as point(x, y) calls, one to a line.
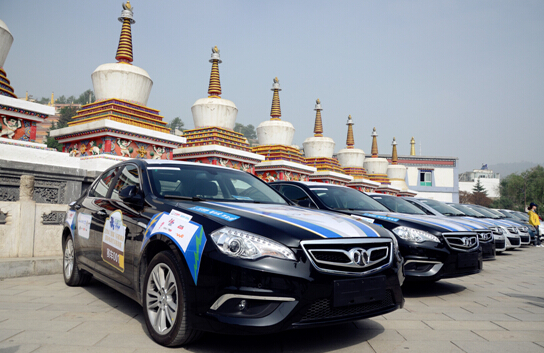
point(491, 185)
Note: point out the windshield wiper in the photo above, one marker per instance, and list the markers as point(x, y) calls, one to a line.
point(189, 198)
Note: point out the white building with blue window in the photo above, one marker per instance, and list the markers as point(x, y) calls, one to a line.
point(434, 178)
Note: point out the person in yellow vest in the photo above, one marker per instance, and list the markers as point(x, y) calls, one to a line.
point(534, 220)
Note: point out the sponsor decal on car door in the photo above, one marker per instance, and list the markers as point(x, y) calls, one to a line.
point(113, 241)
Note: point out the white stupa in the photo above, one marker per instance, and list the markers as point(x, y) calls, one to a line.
point(214, 110)
point(123, 80)
point(283, 160)
point(396, 172)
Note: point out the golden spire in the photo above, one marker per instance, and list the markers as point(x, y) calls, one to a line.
point(214, 89)
point(275, 111)
point(394, 156)
point(350, 141)
point(124, 50)
point(52, 102)
point(26, 97)
point(374, 144)
point(412, 147)
point(318, 127)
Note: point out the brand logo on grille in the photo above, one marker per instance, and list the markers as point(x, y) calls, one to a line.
point(468, 241)
point(359, 256)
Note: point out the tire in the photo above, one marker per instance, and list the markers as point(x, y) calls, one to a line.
point(73, 276)
point(165, 298)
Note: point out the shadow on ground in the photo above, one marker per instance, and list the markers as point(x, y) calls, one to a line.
point(320, 339)
point(433, 289)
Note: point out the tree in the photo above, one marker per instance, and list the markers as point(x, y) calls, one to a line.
point(176, 123)
point(248, 131)
point(66, 114)
point(465, 197)
point(518, 190)
point(479, 195)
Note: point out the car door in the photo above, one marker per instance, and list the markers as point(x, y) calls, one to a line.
point(90, 219)
point(134, 223)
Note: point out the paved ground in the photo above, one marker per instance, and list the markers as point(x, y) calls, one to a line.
point(499, 310)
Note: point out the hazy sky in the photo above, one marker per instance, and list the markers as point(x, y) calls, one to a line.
point(465, 78)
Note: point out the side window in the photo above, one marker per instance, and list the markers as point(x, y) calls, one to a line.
point(100, 188)
point(129, 176)
point(296, 195)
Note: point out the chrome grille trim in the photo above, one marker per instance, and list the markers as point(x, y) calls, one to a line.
point(484, 236)
point(342, 247)
point(462, 241)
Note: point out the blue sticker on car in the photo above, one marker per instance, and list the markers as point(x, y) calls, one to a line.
point(187, 235)
point(385, 218)
point(223, 215)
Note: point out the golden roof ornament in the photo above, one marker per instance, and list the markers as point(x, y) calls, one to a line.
point(374, 150)
point(318, 126)
point(124, 50)
point(394, 156)
point(275, 111)
point(412, 147)
point(349, 140)
point(214, 88)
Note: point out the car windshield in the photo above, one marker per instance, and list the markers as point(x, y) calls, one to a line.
point(484, 211)
point(468, 211)
point(442, 208)
point(397, 204)
point(522, 215)
point(199, 182)
point(344, 198)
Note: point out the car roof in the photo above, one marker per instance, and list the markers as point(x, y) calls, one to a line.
point(309, 183)
point(157, 162)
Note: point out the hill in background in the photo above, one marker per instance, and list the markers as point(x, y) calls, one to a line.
point(508, 168)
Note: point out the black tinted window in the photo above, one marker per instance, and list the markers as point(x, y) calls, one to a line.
point(100, 188)
point(129, 176)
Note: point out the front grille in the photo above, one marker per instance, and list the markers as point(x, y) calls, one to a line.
point(525, 238)
point(323, 310)
point(484, 236)
point(500, 244)
point(515, 241)
point(512, 230)
point(357, 256)
point(462, 241)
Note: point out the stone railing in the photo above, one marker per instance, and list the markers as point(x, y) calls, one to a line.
point(30, 232)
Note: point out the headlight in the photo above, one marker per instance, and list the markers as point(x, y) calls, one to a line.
point(396, 249)
point(245, 245)
point(523, 229)
point(416, 235)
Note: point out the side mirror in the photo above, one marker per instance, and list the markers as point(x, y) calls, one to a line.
point(131, 195)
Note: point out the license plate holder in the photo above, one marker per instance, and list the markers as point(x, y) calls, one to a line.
point(358, 291)
point(465, 260)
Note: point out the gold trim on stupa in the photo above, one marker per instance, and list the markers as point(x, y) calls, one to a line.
point(394, 156)
point(124, 50)
point(318, 126)
point(5, 88)
point(412, 147)
point(275, 111)
point(350, 141)
point(214, 88)
point(374, 150)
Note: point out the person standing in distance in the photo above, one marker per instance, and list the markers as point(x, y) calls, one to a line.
point(534, 220)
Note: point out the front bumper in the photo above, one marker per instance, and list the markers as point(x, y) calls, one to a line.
point(270, 295)
point(431, 261)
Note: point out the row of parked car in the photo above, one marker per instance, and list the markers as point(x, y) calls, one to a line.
point(208, 248)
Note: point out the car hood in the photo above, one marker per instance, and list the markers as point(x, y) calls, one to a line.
point(417, 221)
point(286, 224)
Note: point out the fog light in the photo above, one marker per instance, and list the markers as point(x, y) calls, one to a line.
point(242, 305)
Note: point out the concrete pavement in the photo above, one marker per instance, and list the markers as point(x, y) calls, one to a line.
point(498, 310)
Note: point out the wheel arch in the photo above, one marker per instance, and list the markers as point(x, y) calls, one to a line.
point(155, 245)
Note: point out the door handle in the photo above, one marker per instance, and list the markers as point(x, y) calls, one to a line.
point(77, 207)
point(102, 213)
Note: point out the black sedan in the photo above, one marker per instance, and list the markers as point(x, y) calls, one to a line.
point(207, 248)
point(432, 248)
